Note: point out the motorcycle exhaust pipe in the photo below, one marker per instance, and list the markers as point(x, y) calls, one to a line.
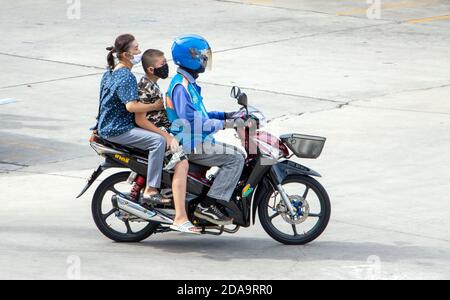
point(139, 211)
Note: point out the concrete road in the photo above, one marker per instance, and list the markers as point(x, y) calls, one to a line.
point(374, 81)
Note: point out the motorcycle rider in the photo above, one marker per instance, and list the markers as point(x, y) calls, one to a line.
point(194, 126)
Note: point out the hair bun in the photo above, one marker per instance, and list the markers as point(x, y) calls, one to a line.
point(111, 49)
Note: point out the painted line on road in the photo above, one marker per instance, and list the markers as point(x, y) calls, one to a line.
point(13, 164)
point(51, 80)
point(275, 92)
point(388, 6)
point(7, 101)
point(52, 174)
point(429, 19)
point(270, 5)
point(305, 36)
point(52, 61)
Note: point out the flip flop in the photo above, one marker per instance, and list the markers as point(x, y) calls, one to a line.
point(187, 227)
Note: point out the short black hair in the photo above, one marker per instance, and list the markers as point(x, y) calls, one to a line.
point(148, 58)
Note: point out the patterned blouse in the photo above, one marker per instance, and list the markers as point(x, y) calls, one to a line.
point(149, 93)
point(117, 89)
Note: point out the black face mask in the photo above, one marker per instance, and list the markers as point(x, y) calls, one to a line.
point(193, 73)
point(162, 72)
point(201, 70)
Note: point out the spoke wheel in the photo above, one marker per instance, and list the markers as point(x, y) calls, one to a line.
point(311, 206)
point(115, 224)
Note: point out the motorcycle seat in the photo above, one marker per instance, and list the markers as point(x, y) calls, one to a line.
point(197, 169)
point(193, 168)
point(119, 147)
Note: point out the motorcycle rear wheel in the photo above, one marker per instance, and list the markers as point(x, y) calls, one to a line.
point(267, 220)
point(100, 218)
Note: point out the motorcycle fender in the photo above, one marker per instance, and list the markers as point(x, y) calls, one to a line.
point(284, 169)
point(101, 168)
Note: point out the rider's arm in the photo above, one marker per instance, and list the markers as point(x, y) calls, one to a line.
point(218, 115)
point(185, 110)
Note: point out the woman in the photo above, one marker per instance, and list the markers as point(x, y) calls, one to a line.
point(119, 103)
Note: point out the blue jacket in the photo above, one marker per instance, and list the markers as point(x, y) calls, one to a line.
point(186, 110)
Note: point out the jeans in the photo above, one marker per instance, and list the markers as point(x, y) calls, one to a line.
point(231, 164)
point(146, 140)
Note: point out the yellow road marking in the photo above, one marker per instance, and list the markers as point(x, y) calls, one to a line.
point(404, 4)
point(430, 19)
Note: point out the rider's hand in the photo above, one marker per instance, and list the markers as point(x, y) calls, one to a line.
point(230, 115)
point(173, 144)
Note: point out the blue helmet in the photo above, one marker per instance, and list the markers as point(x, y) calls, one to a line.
point(192, 52)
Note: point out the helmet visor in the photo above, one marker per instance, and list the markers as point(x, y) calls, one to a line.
point(208, 58)
point(204, 57)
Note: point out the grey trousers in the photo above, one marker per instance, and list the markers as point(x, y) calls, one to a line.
point(146, 140)
point(230, 161)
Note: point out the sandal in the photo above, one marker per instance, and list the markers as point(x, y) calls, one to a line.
point(156, 199)
point(187, 227)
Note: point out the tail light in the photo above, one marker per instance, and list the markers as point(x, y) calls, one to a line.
point(93, 137)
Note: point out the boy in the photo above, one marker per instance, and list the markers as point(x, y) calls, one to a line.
point(155, 68)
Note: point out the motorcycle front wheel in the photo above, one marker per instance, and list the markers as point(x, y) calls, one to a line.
point(113, 223)
point(312, 206)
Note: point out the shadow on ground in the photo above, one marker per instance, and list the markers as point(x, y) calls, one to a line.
point(224, 249)
point(27, 150)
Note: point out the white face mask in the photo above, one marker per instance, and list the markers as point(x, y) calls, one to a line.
point(136, 59)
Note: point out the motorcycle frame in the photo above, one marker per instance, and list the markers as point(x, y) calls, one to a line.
point(242, 207)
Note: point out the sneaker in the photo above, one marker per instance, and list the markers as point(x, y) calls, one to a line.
point(212, 214)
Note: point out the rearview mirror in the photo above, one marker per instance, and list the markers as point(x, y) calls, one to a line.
point(235, 92)
point(242, 100)
point(241, 97)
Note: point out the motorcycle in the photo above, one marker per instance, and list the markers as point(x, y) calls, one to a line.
point(292, 206)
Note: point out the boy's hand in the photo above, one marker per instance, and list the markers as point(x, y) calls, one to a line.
point(173, 144)
point(158, 105)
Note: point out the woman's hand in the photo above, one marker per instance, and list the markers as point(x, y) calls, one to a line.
point(173, 144)
point(158, 105)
